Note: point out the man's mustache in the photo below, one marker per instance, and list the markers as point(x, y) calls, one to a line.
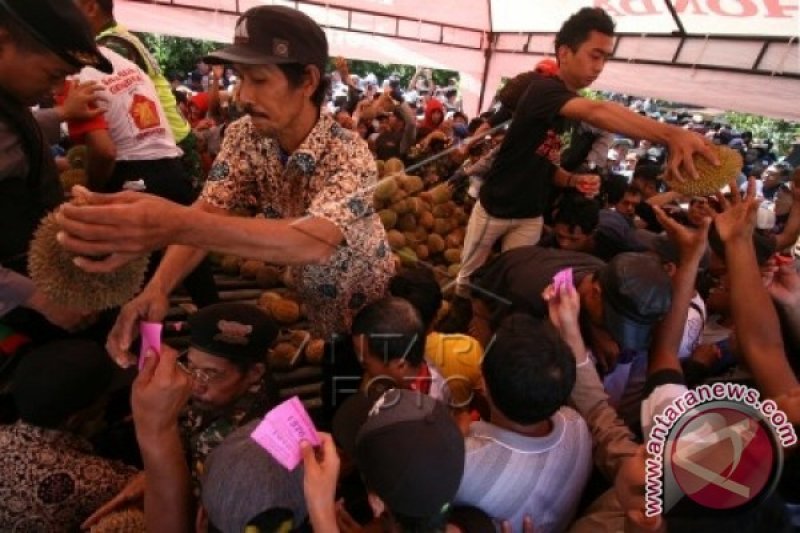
point(250, 110)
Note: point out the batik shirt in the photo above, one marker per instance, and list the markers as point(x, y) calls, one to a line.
point(51, 481)
point(331, 176)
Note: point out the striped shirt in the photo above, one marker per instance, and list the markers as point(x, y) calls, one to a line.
point(509, 475)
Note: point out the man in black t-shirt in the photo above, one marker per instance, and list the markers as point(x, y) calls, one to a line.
point(517, 186)
point(620, 300)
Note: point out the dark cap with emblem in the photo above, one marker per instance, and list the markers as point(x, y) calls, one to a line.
point(275, 35)
point(235, 331)
point(637, 293)
point(61, 27)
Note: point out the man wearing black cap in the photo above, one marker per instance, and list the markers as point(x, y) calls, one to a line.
point(410, 454)
point(40, 44)
point(231, 384)
point(621, 300)
point(309, 178)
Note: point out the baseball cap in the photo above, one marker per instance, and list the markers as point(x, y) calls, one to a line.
point(60, 378)
point(275, 35)
point(406, 446)
point(62, 28)
point(637, 293)
point(234, 331)
point(243, 485)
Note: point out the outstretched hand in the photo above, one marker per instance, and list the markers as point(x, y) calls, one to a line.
point(692, 243)
point(737, 219)
point(683, 145)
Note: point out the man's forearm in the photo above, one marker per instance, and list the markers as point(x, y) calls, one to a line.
point(791, 232)
point(177, 263)
point(615, 118)
point(756, 321)
point(299, 241)
point(667, 341)
point(15, 290)
point(167, 495)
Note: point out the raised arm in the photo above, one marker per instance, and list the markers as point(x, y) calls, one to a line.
point(613, 117)
point(754, 316)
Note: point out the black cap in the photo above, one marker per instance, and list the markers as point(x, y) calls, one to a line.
point(60, 378)
point(407, 447)
point(637, 293)
point(234, 331)
point(62, 28)
point(275, 35)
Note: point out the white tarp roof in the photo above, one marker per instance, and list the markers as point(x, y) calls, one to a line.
point(732, 54)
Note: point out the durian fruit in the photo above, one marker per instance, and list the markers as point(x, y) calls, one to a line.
point(385, 189)
point(407, 222)
point(712, 178)
point(268, 277)
point(442, 226)
point(249, 268)
point(283, 356)
point(266, 298)
point(53, 271)
point(283, 311)
point(393, 166)
point(231, 265)
point(379, 164)
point(74, 176)
point(453, 269)
point(411, 184)
point(440, 194)
point(452, 255)
point(388, 218)
point(130, 520)
point(422, 252)
point(426, 220)
point(396, 239)
point(315, 351)
point(435, 243)
point(299, 338)
point(76, 157)
point(400, 207)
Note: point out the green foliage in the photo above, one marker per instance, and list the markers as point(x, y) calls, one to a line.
point(782, 133)
point(177, 55)
point(384, 70)
point(180, 55)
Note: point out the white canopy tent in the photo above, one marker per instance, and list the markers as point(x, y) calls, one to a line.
point(730, 54)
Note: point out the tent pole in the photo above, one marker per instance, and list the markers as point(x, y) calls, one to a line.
point(487, 55)
point(675, 17)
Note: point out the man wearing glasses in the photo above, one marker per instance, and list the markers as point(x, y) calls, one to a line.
point(231, 386)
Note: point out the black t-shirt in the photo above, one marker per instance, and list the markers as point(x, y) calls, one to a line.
point(387, 145)
point(514, 281)
point(517, 185)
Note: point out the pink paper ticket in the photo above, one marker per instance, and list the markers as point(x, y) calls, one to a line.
point(282, 431)
point(562, 279)
point(150, 333)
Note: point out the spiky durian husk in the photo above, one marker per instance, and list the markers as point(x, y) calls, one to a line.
point(712, 178)
point(129, 520)
point(53, 272)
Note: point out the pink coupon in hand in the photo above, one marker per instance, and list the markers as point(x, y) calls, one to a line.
point(562, 279)
point(282, 431)
point(150, 333)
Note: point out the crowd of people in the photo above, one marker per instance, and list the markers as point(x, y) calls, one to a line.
point(520, 397)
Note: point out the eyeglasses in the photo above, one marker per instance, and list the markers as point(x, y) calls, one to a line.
point(201, 375)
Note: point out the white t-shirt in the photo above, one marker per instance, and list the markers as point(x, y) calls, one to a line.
point(134, 119)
